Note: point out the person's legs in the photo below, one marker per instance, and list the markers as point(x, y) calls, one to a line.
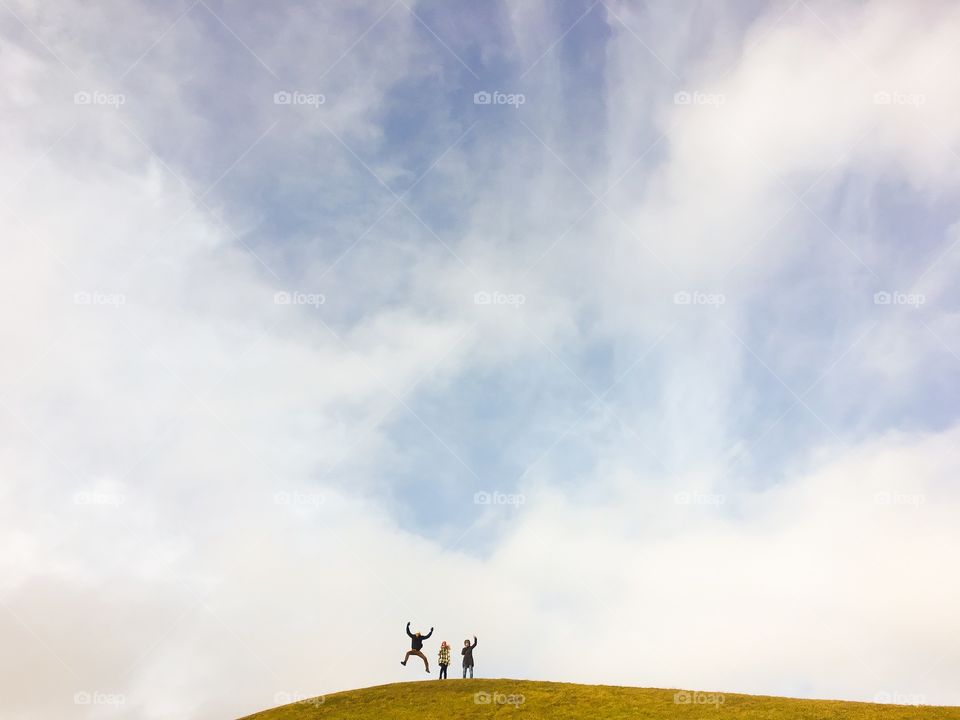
point(426, 663)
point(406, 657)
point(471, 672)
point(443, 672)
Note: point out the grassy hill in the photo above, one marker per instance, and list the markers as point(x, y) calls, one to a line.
point(483, 698)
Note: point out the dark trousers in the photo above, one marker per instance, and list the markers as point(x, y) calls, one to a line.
point(443, 672)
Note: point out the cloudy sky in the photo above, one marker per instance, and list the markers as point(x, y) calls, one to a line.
point(623, 335)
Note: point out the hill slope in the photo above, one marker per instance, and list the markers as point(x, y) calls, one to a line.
point(483, 698)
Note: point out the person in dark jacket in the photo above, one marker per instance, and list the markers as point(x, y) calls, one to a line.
point(416, 645)
point(467, 653)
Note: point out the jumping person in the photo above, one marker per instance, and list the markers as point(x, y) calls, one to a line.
point(416, 645)
point(467, 653)
point(443, 660)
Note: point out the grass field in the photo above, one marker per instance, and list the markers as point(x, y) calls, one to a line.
point(482, 698)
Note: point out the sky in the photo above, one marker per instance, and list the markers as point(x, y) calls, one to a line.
point(621, 335)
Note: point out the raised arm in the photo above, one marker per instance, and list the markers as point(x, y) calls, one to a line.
point(428, 634)
point(474, 642)
point(408, 630)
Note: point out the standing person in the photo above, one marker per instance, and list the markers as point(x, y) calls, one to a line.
point(467, 653)
point(443, 660)
point(416, 645)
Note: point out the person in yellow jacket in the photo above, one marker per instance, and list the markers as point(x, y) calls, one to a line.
point(443, 659)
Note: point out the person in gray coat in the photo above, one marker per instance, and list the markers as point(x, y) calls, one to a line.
point(467, 653)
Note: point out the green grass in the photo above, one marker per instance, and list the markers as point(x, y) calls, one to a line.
point(456, 699)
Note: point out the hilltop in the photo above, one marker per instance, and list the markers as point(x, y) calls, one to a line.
point(483, 698)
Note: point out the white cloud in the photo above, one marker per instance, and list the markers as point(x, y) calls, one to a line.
point(172, 530)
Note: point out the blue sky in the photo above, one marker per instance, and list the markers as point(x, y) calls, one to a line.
point(254, 399)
